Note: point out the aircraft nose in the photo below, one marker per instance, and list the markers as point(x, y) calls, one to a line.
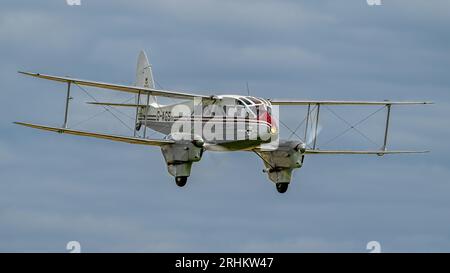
point(266, 132)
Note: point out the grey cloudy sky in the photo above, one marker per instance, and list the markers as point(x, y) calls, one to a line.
point(119, 197)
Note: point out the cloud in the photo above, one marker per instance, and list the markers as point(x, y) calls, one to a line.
point(119, 197)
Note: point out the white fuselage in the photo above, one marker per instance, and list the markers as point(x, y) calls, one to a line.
point(226, 123)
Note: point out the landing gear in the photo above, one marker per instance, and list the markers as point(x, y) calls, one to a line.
point(181, 180)
point(282, 187)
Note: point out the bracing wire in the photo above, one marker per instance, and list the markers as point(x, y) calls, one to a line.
point(352, 126)
point(105, 107)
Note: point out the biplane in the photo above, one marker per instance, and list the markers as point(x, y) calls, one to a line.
point(200, 123)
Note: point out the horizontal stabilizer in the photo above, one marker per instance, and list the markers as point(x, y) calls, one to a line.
point(361, 152)
point(131, 140)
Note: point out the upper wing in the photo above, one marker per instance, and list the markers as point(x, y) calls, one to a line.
point(118, 104)
point(362, 152)
point(339, 102)
point(131, 140)
point(118, 87)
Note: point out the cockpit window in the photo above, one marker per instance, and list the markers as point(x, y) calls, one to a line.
point(246, 107)
point(255, 100)
point(253, 109)
point(246, 101)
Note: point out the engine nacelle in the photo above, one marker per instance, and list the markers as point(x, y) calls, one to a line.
point(281, 162)
point(180, 156)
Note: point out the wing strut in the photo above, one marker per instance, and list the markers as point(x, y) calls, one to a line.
point(137, 113)
point(68, 98)
point(145, 114)
point(317, 125)
point(388, 106)
point(307, 122)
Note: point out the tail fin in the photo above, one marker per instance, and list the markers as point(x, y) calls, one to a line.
point(144, 77)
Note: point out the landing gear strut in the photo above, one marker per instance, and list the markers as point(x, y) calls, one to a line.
point(282, 187)
point(181, 180)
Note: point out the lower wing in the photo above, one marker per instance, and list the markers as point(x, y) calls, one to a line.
point(342, 102)
point(131, 140)
point(361, 152)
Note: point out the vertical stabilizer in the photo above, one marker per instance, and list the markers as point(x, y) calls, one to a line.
point(144, 77)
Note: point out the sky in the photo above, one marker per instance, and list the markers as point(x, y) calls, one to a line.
point(116, 197)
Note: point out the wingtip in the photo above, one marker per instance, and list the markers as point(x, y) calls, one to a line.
point(420, 152)
point(28, 73)
point(20, 123)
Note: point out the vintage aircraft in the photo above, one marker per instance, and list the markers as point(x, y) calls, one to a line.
point(215, 123)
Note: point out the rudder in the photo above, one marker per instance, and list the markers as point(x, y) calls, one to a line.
point(144, 76)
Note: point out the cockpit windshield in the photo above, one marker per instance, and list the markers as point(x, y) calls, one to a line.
point(255, 107)
point(247, 106)
point(255, 100)
point(246, 101)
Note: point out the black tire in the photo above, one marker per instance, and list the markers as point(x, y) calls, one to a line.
point(138, 126)
point(181, 180)
point(282, 187)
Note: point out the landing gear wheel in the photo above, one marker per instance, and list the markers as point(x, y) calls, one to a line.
point(181, 180)
point(138, 126)
point(282, 187)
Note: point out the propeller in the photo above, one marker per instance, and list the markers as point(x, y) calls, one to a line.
point(309, 139)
